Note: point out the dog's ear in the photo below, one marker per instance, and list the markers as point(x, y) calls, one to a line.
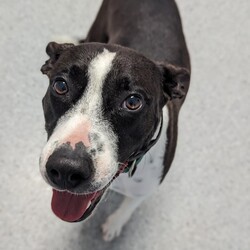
point(175, 80)
point(54, 50)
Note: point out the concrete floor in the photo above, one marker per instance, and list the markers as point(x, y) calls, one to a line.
point(204, 202)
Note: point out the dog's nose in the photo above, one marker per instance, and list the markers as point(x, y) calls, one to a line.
point(67, 172)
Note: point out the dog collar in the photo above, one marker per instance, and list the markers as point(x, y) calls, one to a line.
point(131, 165)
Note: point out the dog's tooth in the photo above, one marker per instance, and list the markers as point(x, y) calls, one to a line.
point(89, 204)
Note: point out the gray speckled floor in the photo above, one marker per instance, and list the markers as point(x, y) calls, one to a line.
point(204, 202)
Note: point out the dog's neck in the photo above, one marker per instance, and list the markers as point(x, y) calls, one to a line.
point(131, 165)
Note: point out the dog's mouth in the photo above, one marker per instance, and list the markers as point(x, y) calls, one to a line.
point(77, 207)
point(73, 207)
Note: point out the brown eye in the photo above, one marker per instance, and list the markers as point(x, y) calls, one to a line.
point(60, 87)
point(132, 103)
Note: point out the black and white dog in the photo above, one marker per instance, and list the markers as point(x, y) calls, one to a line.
point(111, 109)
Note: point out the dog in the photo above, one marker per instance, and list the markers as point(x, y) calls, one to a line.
point(111, 109)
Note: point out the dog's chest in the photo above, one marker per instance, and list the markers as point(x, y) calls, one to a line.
point(149, 171)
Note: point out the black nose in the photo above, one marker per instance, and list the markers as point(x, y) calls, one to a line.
point(67, 172)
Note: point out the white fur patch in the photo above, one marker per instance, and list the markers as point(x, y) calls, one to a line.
point(88, 110)
point(149, 171)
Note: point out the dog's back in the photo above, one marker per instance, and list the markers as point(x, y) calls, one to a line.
point(155, 29)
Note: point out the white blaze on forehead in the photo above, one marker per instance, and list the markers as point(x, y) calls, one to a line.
point(88, 112)
point(97, 72)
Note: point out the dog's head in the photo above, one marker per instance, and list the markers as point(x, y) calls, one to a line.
point(103, 105)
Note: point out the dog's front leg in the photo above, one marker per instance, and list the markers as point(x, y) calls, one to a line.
point(115, 222)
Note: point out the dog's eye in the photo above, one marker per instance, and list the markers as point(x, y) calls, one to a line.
point(132, 103)
point(60, 87)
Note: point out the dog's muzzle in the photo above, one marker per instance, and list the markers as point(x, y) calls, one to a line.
point(69, 171)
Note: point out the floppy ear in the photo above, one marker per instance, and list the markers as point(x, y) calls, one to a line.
point(175, 81)
point(54, 51)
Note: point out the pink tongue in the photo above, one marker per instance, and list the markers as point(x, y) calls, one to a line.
point(70, 207)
